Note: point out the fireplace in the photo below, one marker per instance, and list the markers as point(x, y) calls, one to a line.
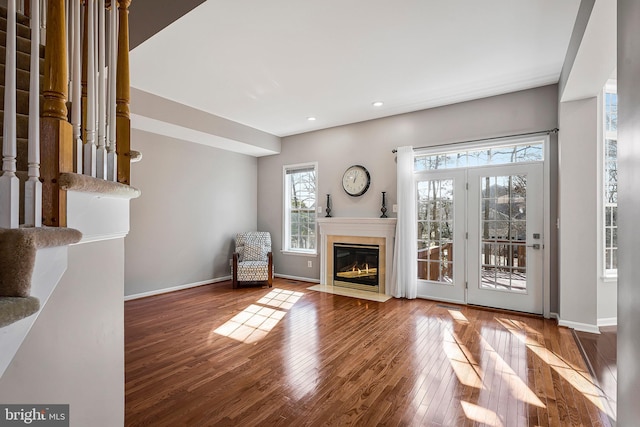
point(357, 232)
point(356, 266)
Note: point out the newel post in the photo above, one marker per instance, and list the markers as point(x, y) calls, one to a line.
point(56, 134)
point(123, 121)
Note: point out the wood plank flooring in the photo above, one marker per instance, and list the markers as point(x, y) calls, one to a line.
point(600, 351)
point(215, 356)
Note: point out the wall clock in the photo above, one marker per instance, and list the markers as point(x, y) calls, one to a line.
point(356, 180)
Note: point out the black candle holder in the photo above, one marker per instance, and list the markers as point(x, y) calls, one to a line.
point(328, 210)
point(383, 209)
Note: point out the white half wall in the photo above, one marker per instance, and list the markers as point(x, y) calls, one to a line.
point(74, 353)
point(194, 199)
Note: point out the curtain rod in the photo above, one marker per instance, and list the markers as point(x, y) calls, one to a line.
point(542, 132)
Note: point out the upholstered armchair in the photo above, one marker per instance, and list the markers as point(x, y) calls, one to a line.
point(252, 259)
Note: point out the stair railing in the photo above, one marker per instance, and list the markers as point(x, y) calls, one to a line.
point(33, 186)
point(102, 75)
point(9, 182)
point(56, 134)
point(95, 139)
point(122, 119)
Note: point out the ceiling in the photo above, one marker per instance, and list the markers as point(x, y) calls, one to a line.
point(272, 64)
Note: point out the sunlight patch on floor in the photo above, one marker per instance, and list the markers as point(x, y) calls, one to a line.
point(578, 378)
point(458, 316)
point(464, 365)
point(281, 298)
point(518, 388)
point(256, 321)
point(481, 415)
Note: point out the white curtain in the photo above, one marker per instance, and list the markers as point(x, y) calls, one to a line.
point(404, 282)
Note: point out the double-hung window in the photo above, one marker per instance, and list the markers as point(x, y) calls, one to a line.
point(300, 196)
point(610, 180)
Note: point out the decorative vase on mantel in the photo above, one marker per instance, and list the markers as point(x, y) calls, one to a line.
point(328, 210)
point(383, 209)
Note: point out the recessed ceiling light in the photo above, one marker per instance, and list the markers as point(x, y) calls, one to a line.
point(377, 103)
point(311, 119)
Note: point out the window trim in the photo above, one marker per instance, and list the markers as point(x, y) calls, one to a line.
point(285, 211)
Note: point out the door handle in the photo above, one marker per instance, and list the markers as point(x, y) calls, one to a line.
point(534, 246)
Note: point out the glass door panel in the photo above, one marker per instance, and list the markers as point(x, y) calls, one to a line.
point(503, 211)
point(441, 211)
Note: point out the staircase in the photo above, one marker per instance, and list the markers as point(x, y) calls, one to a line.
point(15, 308)
point(61, 319)
point(23, 59)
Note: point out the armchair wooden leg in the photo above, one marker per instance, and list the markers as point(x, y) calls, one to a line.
point(235, 271)
point(270, 279)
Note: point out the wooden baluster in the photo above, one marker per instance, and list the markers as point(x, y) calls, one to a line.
point(112, 173)
point(123, 122)
point(101, 153)
point(55, 131)
point(76, 92)
point(9, 183)
point(33, 186)
point(90, 124)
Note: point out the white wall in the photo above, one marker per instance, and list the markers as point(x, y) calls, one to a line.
point(194, 199)
point(370, 144)
point(578, 212)
point(629, 206)
point(588, 300)
point(74, 353)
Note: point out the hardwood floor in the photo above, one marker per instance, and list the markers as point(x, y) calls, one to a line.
point(215, 356)
point(600, 352)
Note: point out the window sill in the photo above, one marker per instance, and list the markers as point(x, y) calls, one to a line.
point(307, 254)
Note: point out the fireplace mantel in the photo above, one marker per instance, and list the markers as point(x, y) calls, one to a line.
point(355, 230)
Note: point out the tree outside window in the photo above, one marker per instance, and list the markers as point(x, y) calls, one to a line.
point(300, 208)
point(610, 180)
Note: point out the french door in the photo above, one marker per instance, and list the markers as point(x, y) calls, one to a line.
point(480, 236)
point(505, 245)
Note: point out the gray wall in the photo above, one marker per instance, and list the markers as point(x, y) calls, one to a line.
point(74, 352)
point(579, 27)
point(628, 209)
point(370, 144)
point(194, 199)
point(578, 209)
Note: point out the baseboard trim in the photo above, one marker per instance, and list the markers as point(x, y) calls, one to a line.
point(553, 315)
point(175, 288)
point(608, 321)
point(582, 327)
point(302, 279)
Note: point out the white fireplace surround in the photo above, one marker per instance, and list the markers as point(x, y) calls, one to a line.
point(356, 230)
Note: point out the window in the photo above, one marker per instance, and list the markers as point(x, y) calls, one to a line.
point(491, 155)
point(610, 180)
point(435, 230)
point(300, 195)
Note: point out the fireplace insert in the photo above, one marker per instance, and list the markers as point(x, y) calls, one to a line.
point(356, 266)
